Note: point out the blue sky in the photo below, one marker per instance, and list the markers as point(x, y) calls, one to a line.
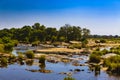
point(100, 16)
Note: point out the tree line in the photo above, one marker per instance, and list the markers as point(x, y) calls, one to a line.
point(38, 32)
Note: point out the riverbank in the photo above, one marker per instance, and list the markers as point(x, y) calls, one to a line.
point(59, 50)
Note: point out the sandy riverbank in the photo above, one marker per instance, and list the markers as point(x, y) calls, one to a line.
point(59, 50)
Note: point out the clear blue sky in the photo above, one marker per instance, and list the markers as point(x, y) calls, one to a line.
point(100, 16)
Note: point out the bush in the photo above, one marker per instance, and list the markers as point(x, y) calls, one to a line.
point(99, 53)
point(12, 58)
point(4, 61)
point(8, 47)
point(42, 59)
point(20, 57)
point(1, 48)
point(113, 64)
point(29, 54)
point(69, 78)
point(102, 41)
point(95, 58)
point(78, 46)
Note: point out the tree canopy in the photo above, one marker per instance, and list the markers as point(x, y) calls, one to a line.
point(41, 33)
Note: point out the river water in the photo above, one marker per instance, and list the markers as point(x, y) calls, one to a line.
point(19, 72)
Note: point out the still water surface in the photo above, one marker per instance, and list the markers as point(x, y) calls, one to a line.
point(19, 72)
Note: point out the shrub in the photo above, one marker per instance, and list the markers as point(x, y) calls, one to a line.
point(1, 48)
point(69, 78)
point(113, 64)
point(29, 54)
point(12, 58)
point(4, 61)
point(20, 57)
point(95, 58)
point(42, 59)
point(102, 41)
point(104, 51)
point(78, 46)
point(97, 49)
point(99, 53)
point(8, 47)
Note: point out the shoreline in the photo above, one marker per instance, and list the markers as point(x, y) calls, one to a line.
point(59, 50)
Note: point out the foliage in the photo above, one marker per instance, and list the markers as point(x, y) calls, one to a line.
point(78, 46)
point(4, 61)
point(35, 43)
point(8, 47)
point(115, 50)
point(41, 33)
point(69, 78)
point(42, 59)
point(95, 58)
point(113, 64)
point(102, 41)
point(29, 54)
point(62, 39)
point(1, 48)
point(20, 57)
point(100, 52)
point(12, 58)
point(6, 40)
point(84, 43)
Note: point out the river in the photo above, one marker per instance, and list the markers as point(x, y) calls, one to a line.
point(19, 72)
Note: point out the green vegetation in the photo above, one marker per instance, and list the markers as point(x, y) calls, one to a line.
point(113, 64)
point(42, 59)
point(94, 58)
point(1, 48)
point(12, 58)
point(3, 61)
point(72, 46)
point(29, 54)
point(69, 78)
point(20, 57)
point(41, 33)
point(115, 50)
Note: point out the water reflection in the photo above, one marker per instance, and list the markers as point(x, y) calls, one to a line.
point(26, 71)
point(42, 67)
point(29, 62)
point(21, 62)
point(3, 65)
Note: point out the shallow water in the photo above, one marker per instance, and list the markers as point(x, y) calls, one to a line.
point(19, 72)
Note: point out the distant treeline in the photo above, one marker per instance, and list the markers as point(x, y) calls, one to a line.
point(37, 32)
point(104, 36)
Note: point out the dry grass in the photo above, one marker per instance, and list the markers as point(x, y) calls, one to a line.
point(60, 50)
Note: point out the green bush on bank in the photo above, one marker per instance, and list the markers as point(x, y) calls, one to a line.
point(42, 59)
point(1, 48)
point(113, 64)
point(94, 58)
point(29, 54)
point(78, 46)
point(20, 57)
point(3, 61)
